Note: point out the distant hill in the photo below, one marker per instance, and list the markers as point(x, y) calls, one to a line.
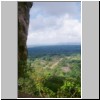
point(53, 50)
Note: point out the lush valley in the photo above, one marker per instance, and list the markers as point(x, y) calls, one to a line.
point(53, 72)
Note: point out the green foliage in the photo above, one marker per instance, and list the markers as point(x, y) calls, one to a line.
point(54, 82)
point(70, 89)
point(43, 80)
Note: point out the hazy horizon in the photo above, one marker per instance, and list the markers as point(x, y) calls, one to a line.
point(53, 45)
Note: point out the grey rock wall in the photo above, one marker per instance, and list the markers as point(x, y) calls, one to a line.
point(23, 24)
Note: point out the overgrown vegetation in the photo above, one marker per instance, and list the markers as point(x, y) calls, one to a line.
point(56, 76)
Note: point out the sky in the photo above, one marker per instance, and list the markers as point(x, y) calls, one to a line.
point(54, 23)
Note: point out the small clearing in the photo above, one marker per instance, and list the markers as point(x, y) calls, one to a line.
point(66, 69)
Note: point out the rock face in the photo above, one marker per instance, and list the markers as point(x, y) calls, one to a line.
point(23, 23)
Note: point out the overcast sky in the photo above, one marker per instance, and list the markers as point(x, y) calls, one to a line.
point(54, 23)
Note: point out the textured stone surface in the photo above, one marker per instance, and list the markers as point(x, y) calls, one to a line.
point(23, 24)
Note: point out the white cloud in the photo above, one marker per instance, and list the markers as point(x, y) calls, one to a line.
point(54, 30)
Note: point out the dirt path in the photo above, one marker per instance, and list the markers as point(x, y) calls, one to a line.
point(56, 63)
point(64, 69)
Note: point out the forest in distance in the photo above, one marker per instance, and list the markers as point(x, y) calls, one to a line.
point(52, 72)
